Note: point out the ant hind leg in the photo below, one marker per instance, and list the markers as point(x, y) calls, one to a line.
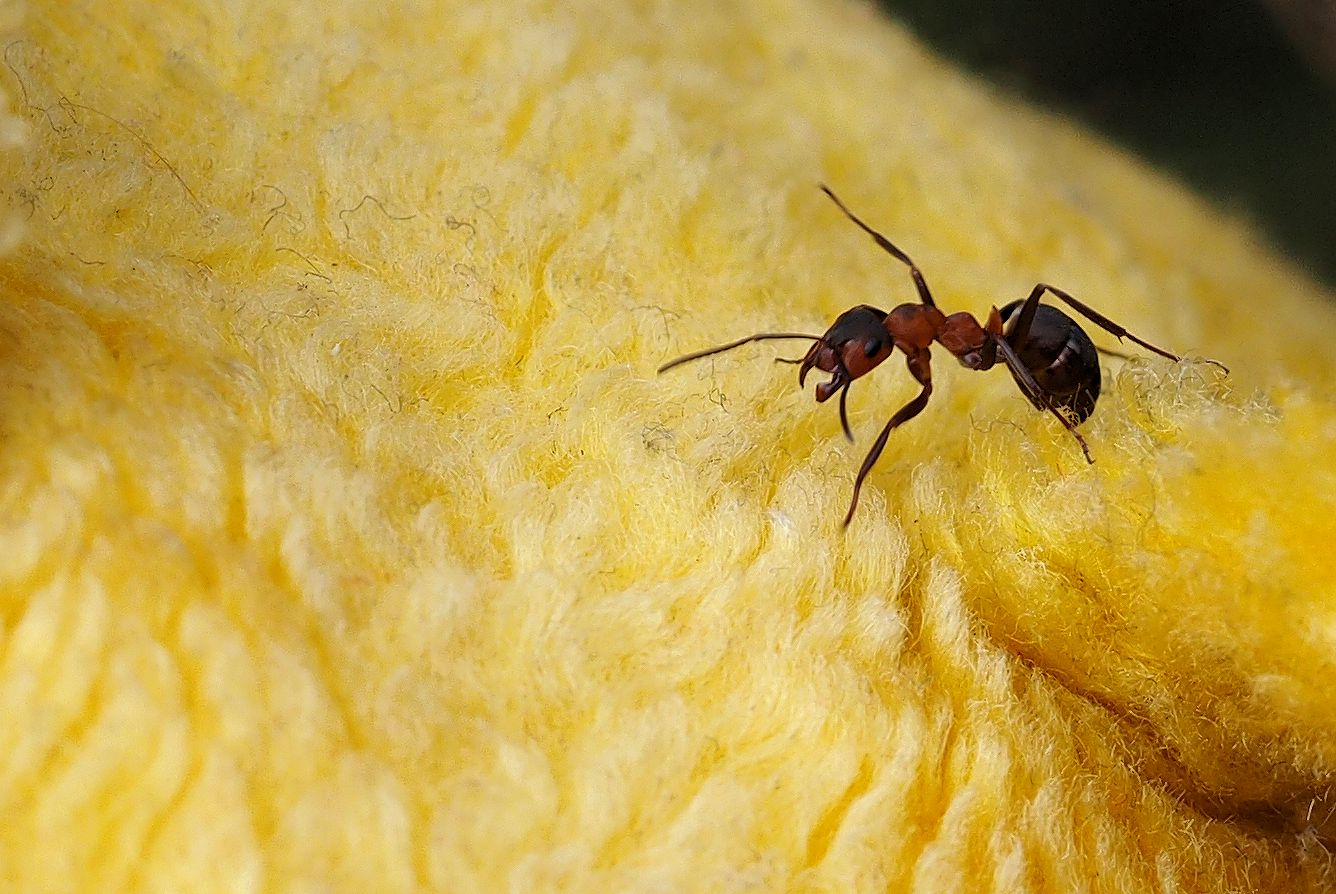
point(1098, 319)
point(1036, 394)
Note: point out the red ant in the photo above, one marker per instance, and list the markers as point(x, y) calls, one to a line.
point(1051, 358)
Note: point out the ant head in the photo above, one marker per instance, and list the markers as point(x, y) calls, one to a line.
point(972, 344)
point(853, 346)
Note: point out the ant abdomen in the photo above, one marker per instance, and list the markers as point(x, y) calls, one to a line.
point(1062, 359)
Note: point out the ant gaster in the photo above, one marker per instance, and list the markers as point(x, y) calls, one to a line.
point(1051, 358)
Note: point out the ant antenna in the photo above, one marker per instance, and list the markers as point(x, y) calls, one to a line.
point(765, 336)
point(760, 336)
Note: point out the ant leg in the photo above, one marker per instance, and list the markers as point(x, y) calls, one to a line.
point(1110, 352)
point(919, 282)
point(1036, 393)
point(918, 365)
point(760, 336)
point(1094, 316)
point(844, 394)
point(844, 415)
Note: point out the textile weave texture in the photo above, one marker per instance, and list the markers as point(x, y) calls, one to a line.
point(350, 542)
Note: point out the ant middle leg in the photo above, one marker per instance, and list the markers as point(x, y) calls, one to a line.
point(919, 282)
point(918, 365)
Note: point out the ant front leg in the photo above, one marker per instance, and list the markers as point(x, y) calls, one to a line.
point(844, 396)
point(919, 367)
point(1031, 303)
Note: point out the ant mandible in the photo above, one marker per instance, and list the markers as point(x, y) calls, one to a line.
point(1051, 358)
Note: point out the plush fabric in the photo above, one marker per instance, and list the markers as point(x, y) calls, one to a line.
point(350, 541)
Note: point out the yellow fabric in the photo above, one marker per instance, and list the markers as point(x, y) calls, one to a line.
point(351, 543)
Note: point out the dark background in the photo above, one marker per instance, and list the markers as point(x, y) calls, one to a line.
point(1212, 92)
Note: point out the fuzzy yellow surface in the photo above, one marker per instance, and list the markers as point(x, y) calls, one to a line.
point(350, 542)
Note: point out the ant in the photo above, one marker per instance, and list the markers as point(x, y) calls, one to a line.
point(1053, 361)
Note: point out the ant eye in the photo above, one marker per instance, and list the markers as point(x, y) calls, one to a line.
point(872, 347)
